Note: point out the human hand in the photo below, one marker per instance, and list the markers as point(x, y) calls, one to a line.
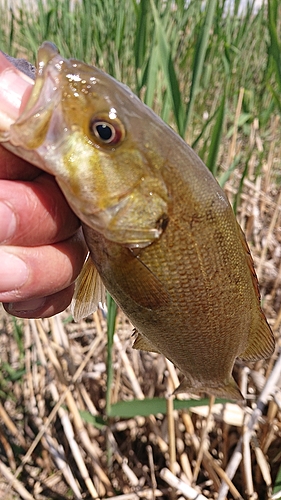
point(42, 248)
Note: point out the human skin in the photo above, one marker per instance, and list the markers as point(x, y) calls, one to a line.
point(42, 248)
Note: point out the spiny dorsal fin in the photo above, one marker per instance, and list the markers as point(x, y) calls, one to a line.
point(89, 291)
point(142, 343)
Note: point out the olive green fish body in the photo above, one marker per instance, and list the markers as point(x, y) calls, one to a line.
point(192, 294)
point(161, 232)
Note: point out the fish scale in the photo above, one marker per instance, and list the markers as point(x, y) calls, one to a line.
point(161, 233)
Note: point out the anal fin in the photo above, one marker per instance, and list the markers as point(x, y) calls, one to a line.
point(142, 343)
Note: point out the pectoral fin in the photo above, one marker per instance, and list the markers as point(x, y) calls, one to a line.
point(125, 275)
point(89, 291)
point(140, 284)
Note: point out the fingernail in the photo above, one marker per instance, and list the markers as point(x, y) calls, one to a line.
point(8, 222)
point(26, 306)
point(12, 89)
point(13, 272)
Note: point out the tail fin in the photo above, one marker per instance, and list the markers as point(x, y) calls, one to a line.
point(227, 389)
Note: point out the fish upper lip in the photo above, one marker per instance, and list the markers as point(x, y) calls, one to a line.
point(49, 78)
point(45, 96)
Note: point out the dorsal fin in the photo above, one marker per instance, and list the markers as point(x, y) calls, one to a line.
point(261, 342)
point(250, 261)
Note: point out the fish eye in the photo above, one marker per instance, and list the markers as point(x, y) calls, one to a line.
point(103, 131)
point(106, 131)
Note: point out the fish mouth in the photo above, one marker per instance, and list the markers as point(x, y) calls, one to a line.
point(44, 98)
point(27, 127)
point(27, 107)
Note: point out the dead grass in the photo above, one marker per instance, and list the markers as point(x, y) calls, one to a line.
point(56, 371)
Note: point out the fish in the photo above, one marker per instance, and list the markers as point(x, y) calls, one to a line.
point(162, 235)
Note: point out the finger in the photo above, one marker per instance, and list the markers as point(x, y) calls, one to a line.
point(13, 167)
point(43, 307)
point(29, 273)
point(34, 213)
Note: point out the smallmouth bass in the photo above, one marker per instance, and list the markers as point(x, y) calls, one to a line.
point(162, 235)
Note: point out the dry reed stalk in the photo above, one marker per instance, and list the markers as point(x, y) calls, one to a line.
point(173, 376)
point(128, 369)
point(8, 451)
point(11, 426)
point(152, 470)
point(171, 432)
point(15, 484)
point(180, 485)
point(247, 463)
point(204, 437)
point(60, 459)
point(186, 467)
point(269, 164)
point(269, 235)
point(134, 481)
point(277, 496)
point(262, 463)
point(268, 390)
point(233, 146)
point(57, 408)
point(223, 476)
point(148, 494)
point(65, 421)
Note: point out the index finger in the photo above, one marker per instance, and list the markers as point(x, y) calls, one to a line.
point(14, 168)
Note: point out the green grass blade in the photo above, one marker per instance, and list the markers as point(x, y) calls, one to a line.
point(95, 420)
point(199, 58)
point(165, 59)
point(153, 406)
point(275, 96)
point(111, 320)
point(141, 9)
point(277, 484)
point(216, 138)
point(151, 77)
point(224, 177)
point(275, 46)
